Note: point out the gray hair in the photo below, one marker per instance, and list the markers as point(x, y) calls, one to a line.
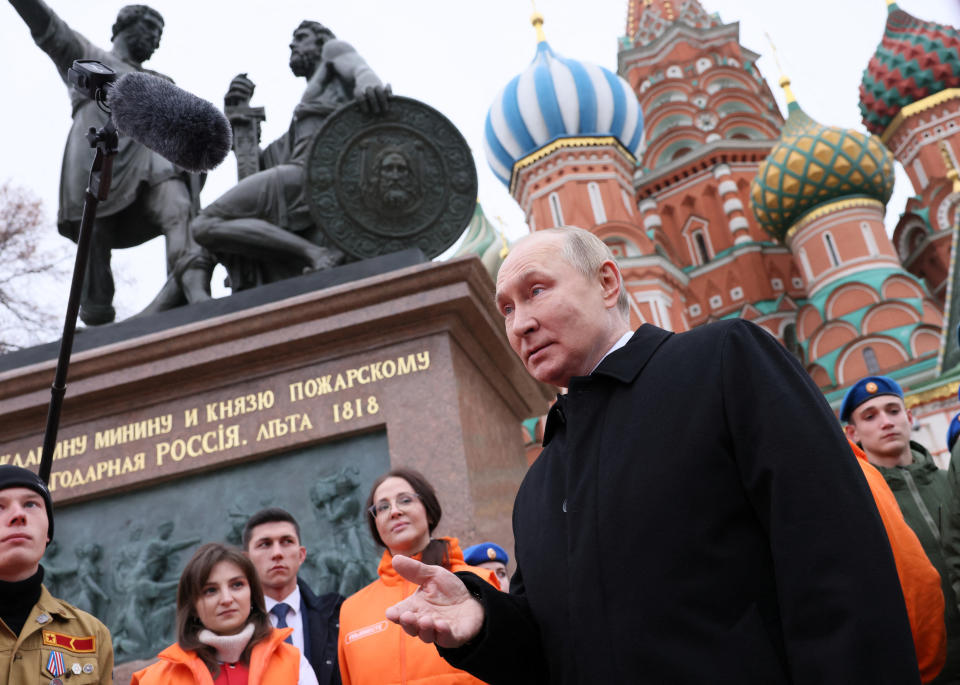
point(585, 252)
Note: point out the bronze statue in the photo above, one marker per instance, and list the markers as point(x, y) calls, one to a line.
point(256, 227)
point(149, 196)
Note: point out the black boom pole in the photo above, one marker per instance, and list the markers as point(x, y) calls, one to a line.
point(105, 140)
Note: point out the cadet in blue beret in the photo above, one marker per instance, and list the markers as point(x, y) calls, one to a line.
point(953, 431)
point(492, 556)
point(880, 422)
point(866, 389)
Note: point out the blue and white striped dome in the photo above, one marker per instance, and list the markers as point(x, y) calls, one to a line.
point(556, 98)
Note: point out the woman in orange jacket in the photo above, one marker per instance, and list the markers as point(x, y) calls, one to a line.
point(224, 636)
point(404, 511)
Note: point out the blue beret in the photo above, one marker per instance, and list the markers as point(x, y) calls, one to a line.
point(485, 551)
point(953, 431)
point(866, 389)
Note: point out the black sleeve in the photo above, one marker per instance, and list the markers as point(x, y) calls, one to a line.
point(508, 650)
point(841, 607)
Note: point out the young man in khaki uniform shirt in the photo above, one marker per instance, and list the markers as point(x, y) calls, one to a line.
point(43, 640)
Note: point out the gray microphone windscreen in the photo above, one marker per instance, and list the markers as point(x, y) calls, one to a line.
point(179, 126)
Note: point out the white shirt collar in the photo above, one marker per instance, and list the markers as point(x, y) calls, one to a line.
point(616, 346)
point(292, 600)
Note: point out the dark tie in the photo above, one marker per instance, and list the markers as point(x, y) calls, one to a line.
point(280, 610)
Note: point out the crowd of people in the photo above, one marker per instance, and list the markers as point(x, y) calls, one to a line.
point(243, 614)
point(697, 515)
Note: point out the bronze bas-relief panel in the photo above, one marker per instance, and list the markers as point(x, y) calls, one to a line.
point(120, 557)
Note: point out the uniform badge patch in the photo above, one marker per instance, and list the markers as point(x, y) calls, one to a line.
point(366, 631)
point(55, 664)
point(79, 644)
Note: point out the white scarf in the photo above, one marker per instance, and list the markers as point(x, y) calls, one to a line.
point(229, 647)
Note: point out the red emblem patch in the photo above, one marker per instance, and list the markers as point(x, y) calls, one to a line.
point(78, 644)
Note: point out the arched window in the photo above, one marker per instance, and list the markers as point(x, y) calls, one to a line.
point(805, 262)
point(790, 341)
point(868, 237)
point(596, 202)
point(701, 246)
point(556, 210)
point(870, 359)
point(831, 249)
point(921, 173)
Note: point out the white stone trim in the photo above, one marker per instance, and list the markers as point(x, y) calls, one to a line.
point(727, 187)
point(732, 205)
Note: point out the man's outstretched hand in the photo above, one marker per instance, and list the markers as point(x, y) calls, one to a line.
point(441, 611)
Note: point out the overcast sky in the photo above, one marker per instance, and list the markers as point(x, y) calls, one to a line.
point(452, 54)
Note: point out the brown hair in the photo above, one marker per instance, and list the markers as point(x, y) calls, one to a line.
point(269, 515)
point(437, 552)
point(194, 577)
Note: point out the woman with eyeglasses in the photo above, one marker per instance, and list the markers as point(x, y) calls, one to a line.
point(224, 636)
point(403, 512)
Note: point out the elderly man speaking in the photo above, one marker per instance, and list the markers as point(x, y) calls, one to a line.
point(696, 515)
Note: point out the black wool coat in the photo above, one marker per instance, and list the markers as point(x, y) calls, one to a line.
point(696, 517)
point(322, 618)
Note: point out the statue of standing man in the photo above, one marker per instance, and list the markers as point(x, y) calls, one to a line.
point(149, 196)
point(262, 228)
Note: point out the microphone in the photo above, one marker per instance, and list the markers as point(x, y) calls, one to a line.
point(177, 125)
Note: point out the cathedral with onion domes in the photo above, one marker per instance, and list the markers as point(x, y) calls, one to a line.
point(716, 206)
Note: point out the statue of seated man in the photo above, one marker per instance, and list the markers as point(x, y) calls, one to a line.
point(257, 227)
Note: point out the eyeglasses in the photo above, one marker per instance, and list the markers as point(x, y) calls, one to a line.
point(403, 501)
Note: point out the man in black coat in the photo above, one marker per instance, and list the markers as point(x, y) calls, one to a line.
point(271, 538)
point(696, 515)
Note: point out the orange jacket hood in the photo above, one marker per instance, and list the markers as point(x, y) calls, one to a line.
point(272, 661)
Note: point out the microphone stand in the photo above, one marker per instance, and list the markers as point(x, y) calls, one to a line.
point(105, 140)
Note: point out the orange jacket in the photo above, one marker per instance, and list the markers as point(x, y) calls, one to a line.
point(272, 662)
point(919, 580)
point(374, 651)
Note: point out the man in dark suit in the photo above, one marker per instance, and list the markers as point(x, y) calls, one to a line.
point(271, 538)
point(696, 515)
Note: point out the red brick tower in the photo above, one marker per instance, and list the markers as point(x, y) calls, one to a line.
point(910, 97)
point(710, 120)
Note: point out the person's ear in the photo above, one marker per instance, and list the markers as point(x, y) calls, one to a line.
point(851, 432)
point(611, 282)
